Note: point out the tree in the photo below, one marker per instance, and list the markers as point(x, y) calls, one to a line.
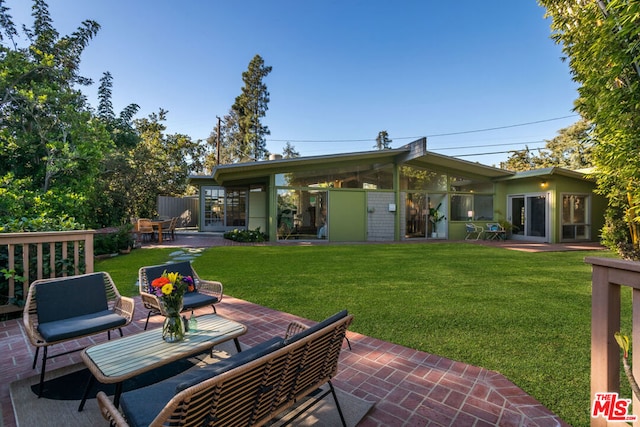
point(289, 151)
point(520, 160)
point(160, 165)
point(230, 145)
point(383, 141)
point(52, 144)
point(250, 106)
point(571, 149)
point(601, 40)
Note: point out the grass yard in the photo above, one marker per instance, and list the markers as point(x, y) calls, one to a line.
point(525, 315)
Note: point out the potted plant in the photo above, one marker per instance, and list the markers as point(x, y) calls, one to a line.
point(435, 216)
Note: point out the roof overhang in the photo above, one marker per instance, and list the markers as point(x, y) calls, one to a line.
point(254, 170)
point(547, 172)
point(445, 163)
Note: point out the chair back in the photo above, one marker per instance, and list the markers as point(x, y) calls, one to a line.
point(145, 225)
point(471, 228)
point(174, 223)
point(149, 274)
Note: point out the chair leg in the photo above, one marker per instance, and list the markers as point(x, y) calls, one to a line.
point(35, 358)
point(147, 322)
point(335, 399)
point(348, 343)
point(44, 368)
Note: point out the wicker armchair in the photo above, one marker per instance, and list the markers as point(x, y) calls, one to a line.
point(208, 292)
point(67, 308)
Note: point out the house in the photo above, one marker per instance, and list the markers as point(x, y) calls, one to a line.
point(391, 195)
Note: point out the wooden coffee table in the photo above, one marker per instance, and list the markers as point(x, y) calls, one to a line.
point(124, 358)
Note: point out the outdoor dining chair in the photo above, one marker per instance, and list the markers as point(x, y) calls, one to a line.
point(170, 233)
point(145, 229)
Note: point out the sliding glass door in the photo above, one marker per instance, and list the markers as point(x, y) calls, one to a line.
point(529, 215)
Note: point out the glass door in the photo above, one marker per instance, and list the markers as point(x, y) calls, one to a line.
point(529, 215)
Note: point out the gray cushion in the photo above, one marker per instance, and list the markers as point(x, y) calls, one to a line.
point(326, 322)
point(80, 325)
point(197, 299)
point(70, 297)
point(141, 406)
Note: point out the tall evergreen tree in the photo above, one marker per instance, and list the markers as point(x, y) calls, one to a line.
point(250, 107)
point(383, 142)
point(229, 146)
point(289, 151)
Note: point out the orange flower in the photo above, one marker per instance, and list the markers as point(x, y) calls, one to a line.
point(160, 282)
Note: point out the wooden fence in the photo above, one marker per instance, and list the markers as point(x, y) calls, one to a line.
point(185, 208)
point(26, 257)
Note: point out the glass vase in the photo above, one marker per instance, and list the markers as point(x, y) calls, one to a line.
point(173, 326)
point(173, 329)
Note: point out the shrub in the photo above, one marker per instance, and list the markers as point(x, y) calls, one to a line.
point(246, 235)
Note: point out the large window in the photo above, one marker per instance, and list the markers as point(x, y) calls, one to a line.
point(376, 176)
point(213, 207)
point(302, 214)
point(236, 212)
point(575, 217)
point(414, 178)
point(471, 207)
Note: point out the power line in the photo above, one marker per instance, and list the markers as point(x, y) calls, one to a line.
point(487, 145)
point(502, 127)
point(428, 136)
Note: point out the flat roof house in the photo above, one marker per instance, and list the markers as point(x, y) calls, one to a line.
point(395, 194)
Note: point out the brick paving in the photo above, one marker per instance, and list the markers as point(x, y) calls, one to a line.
point(410, 388)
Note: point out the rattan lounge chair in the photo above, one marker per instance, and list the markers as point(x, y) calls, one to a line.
point(67, 308)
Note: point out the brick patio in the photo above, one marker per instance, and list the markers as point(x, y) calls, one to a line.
point(410, 388)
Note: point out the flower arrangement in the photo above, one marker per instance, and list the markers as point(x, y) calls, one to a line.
point(170, 289)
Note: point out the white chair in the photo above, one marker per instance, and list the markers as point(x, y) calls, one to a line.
point(495, 231)
point(473, 232)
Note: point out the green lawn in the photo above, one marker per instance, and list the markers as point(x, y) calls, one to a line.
point(525, 315)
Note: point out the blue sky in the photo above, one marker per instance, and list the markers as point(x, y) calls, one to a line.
point(343, 70)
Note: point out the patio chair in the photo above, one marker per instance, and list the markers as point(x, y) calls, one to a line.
point(170, 233)
point(495, 231)
point(473, 231)
point(63, 309)
point(145, 229)
point(207, 292)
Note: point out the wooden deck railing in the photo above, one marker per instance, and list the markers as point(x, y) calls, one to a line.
point(608, 277)
point(38, 255)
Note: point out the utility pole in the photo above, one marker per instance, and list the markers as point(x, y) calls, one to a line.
point(218, 145)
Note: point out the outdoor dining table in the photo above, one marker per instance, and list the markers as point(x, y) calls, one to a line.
point(158, 225)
